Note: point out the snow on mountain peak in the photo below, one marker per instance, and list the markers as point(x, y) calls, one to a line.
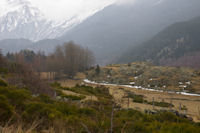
point(30, 19)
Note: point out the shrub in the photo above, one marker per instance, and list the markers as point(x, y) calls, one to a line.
point(6, 110)
point(86, 111)
point(97, 70)
point(16, 97)
point(161, 104)
point(72, 97)
point(56, 84)
point(38, 110)
point(66, 109)
point(2, 83)
point(136, 98)
point(166, 116)
point(45, 99)
point(183, 107)
point(3, 70)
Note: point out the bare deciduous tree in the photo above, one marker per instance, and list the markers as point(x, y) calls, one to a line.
point(68, 58)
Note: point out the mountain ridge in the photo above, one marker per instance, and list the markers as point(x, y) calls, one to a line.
point(116, 28)
point(24, 20)
point(169, 46)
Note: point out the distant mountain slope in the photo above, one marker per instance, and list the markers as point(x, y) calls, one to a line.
point(26, 21)
point(117, 28)
point(170, 45)
point(22, 19)
point(112, 31)
point(15, 45)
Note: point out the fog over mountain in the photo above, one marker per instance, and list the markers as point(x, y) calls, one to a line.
point(109, 32)
point(100, 66)
point(112, 31)
point(26, 19)
point(176, 45)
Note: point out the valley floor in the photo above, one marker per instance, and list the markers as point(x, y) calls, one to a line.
point(191, 104)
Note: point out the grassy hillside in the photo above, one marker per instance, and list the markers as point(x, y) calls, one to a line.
point(177, 41)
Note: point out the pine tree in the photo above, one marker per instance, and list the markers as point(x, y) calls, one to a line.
point(1, 58)
point(97, 70)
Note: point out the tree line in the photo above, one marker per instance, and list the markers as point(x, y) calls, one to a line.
point(23, 76)
point(68, 59)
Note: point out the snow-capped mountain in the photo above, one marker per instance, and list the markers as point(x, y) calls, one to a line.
point(116, 29)
point(23, 19)
point(20, 19)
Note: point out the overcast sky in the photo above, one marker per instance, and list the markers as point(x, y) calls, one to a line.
point(68, 8)
point(62, 9)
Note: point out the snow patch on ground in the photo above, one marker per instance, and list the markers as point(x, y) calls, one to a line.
point(139, 87)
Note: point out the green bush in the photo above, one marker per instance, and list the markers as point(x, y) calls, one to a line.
point(56, 84)
point(183, 107)
point(136, 98)
point(161, 104)
point(39, 110)
point(16, 97)
point(86, 111)
point(45, 99)
point(72, 97)
point(3, 70)
point(99, 91)
point(140, 99)
point(6, 110)
point(2, 83)
point(65, 108)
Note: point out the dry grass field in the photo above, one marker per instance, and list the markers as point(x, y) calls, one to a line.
point(148, 75)
point(87, 97)
point(191, 103)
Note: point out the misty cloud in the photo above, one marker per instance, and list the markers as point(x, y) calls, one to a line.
point(124, 2)
point(59, 9)
point(63, 9)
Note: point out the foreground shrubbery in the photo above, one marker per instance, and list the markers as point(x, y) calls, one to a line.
point(100, 91)
point(20, 106)
point(2, 83)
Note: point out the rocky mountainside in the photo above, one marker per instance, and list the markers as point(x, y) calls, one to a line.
point(176, 45)
point(115, 29)
point(23, 20)
point(110, 32)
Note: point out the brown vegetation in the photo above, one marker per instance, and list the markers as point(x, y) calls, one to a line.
point(67, 59)
point(147, 75)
